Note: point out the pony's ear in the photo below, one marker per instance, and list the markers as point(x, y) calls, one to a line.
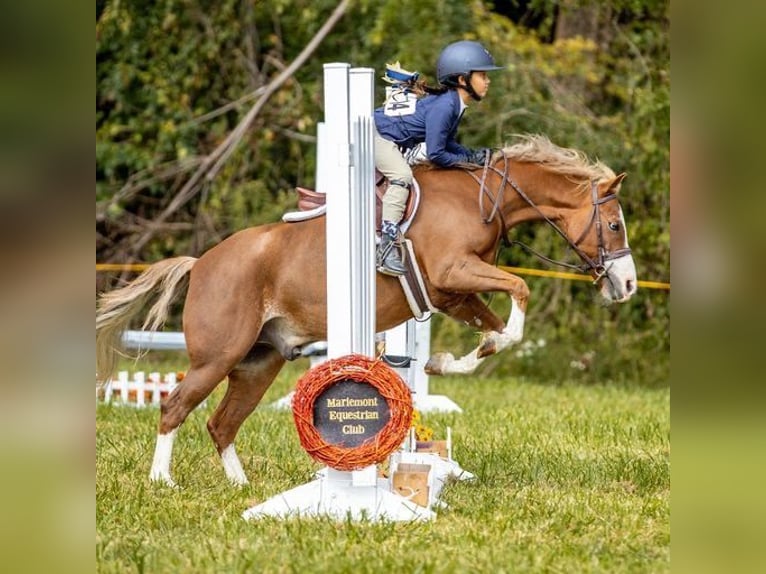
point(614, 185)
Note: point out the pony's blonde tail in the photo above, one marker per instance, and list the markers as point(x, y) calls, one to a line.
point(116, 308)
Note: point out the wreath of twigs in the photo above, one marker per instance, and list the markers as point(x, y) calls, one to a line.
point(360, 369)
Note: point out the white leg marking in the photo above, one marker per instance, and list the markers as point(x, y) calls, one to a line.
point(464, 365)
point(514, 330)
point(163, 451)
point(512, 334)
point(232, 466)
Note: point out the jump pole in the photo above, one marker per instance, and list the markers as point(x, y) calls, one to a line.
point(348, 151)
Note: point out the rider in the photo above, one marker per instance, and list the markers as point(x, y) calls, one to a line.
point(401, 125)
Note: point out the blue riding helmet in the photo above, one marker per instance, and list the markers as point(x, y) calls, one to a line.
point(464, 57)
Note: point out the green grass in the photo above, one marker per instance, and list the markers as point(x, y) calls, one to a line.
point(570, 478)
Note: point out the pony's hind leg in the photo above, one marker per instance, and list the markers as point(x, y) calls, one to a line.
point(247, 384)
point(198, 384)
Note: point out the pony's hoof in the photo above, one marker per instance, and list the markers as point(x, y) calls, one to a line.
point(438, 362)
point(488, 347)
point(162, 480)
point(239, 482)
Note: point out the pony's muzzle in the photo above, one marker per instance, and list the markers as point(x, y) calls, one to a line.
point(619, 283)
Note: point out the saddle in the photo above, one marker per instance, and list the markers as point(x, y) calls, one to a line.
point(311, 203)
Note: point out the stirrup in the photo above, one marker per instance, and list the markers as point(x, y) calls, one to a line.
point(391, 272)
point(388, 259)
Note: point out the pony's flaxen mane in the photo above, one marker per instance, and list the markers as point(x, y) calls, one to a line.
point(534, 148)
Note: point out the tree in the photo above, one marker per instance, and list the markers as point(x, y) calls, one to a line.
point(175, 79)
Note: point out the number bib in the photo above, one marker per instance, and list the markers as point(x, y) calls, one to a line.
point(399, 102)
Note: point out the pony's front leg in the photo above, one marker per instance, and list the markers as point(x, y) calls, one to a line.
point(494, 342)
point(482, 277)
point(474, 313)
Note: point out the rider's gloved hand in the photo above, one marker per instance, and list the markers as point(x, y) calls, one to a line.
point(479, 156)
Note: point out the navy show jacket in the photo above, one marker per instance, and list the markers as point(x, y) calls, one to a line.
point(435, 121)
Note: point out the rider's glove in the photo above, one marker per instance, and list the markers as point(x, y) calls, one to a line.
point(479, 156)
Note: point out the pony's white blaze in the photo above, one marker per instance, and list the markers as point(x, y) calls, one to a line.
point(163, 451)
point(620, 283)
point(625, 229)
point(232, 466)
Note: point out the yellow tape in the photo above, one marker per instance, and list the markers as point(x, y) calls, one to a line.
point(574, 276)
point(515, 270)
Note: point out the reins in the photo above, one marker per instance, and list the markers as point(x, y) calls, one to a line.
point(598, 265)
point(496, 200)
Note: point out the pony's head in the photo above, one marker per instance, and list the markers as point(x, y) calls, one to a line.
point(599, 235)
point(593, 223)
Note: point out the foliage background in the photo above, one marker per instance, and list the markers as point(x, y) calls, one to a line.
point(174, 77)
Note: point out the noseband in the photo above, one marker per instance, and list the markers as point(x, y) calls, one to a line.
point(598, 265)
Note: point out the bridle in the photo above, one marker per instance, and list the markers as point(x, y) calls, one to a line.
point(597, 266)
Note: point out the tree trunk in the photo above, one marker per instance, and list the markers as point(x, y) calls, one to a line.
point(589, 20)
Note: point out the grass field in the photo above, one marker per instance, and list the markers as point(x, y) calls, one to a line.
point(570, 478)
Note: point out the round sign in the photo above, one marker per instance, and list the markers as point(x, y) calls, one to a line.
point(351, 412)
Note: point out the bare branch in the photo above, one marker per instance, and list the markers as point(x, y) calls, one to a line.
point(143, 179)
point(213, 162)
point(226, 107)
point(297, 135)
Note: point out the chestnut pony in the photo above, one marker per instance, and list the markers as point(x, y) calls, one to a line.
point(254, 300)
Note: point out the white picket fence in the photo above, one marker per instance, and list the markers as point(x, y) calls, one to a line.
point(139, 390)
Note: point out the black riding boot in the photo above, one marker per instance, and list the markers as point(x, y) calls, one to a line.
point(388, 258)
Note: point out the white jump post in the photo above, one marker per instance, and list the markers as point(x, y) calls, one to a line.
point(350, 215)
point(412, 339)
point(347, 152)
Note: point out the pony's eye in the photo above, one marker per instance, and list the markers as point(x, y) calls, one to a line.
point(614, 226)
